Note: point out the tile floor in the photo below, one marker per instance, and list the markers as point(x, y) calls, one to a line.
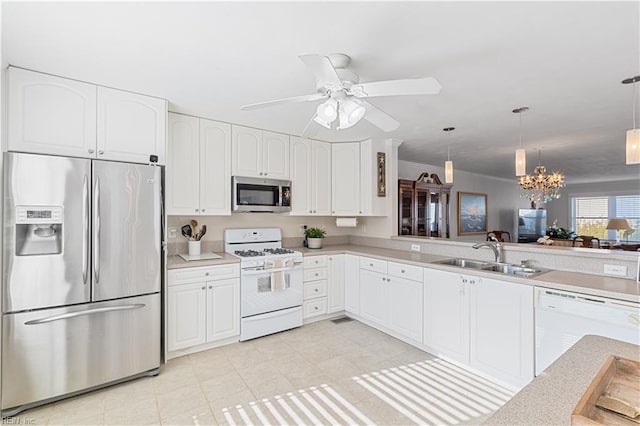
point(322, 373)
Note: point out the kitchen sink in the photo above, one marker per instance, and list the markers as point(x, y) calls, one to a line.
point(465, 263)
point(501, 268)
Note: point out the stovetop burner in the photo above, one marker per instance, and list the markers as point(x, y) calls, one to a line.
point(249, 253)
point(278, 251)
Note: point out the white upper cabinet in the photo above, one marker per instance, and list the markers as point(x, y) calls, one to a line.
point(321, 178)
point(198, 170)
point(131, 127)
point(51, 115)
point(54, 115)
point(215, 168)
point(275, 155)
point(301, 176)
point(345, 180)
point(258, 153)
point(310, 177)
point(183, 177)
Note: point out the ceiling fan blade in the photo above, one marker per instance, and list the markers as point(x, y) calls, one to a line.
point(380, 118)
point(410, 86)
point(310, 129)
point(322, 69)
point(304, 98)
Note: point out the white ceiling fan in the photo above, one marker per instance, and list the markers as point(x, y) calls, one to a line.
point(344, 95)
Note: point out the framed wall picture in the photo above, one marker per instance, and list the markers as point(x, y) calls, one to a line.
point(472, 213)
point(382, 174)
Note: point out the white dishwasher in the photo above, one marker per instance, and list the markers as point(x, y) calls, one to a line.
point(563, 317)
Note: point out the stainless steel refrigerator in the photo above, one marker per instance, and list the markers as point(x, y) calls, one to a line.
point(81, 276)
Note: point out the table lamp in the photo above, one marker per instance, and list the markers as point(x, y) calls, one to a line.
point(618, 224)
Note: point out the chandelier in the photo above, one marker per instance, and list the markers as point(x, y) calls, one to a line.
point(541, 188)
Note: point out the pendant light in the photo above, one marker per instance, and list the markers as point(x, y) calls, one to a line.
point(633, 135)
point(521, 154)
point(448, 165)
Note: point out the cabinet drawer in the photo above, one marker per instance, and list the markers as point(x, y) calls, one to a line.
point(375, 265)
point(187, 275)
point(315, 307)
point(409, 272)
point(314, 261)
point(315, 289)
point(315, 274)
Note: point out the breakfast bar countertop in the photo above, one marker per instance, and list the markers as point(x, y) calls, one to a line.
point(551, 397)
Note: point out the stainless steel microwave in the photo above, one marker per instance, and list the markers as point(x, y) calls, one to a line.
point(260, 195)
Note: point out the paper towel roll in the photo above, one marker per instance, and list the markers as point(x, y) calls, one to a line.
point(347, 222)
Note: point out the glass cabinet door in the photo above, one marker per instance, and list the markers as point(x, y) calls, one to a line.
point(406, 211)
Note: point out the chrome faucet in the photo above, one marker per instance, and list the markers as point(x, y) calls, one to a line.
point(494, 245)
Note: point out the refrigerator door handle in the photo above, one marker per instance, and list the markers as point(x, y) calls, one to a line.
point(96, 226)
point(85, 229)
point(83, 313)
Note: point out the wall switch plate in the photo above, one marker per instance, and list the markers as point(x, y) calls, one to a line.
point(173, 233)
point(415, 247)
point(617, 270)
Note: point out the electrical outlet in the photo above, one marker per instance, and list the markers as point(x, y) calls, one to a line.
point(173, 233)
point(415, 247)
point(617, 270)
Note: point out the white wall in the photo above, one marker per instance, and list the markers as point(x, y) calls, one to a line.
point(503, 196)
point(561, 209)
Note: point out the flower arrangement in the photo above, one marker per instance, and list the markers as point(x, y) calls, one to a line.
point(546, 240)
point(554, 231)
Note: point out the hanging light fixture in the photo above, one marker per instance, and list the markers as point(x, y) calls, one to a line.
point(521, 154)
point(633, 135)
point(541, 188)
point(351, 111)
point(448, 165)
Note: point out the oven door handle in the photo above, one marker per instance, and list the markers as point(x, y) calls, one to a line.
point(262, 271)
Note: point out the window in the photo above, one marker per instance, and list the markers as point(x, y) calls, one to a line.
point(590, 215)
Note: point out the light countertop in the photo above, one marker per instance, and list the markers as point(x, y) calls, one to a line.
point(551, 397)
point(597, 285)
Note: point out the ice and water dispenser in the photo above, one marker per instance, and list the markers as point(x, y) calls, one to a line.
point(38, 230)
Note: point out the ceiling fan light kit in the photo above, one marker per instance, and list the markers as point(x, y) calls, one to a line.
point(343, 94)
point(633, 135)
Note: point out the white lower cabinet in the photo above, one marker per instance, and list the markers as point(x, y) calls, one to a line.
point(335, 291)
point(482, 322)
point(373, 296)
point(315, 286)
point(391, 296)
point(352, 284)
point(203, 305)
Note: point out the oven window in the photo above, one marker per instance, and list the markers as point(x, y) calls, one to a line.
point(257, 195)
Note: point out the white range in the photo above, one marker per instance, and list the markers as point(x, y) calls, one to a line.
point(270, 281)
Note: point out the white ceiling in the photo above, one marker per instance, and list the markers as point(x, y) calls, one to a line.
point(565, 60)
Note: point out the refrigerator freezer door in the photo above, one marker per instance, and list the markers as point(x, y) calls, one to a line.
point(53, 352)
point(126, 230)
point(45, 265)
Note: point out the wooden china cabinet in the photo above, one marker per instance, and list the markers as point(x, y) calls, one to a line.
point(424, 208)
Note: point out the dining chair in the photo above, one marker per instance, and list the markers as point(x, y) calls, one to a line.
point(504, 236)
point(587, 241)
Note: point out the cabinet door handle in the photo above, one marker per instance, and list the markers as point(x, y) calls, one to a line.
point(91, 151)
point(371, 264)
point(310, 211)
point(206, 273)
point(316, 308)
point(197, 210)
point(204, 288)
point(384, 279)
point(210, 286)
point(316, 274)
point(316, 290)
point(464, 280)
point(388, 280)
point(101, 152)
point(402, 270)
point(203, 210)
